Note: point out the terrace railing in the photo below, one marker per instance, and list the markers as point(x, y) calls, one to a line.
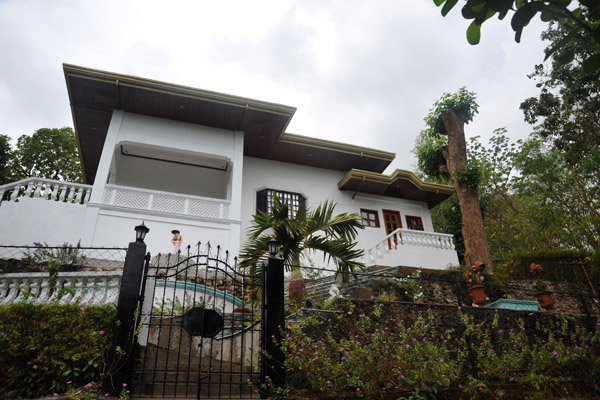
point(87, 288)
point(48, 189)
point(408, 237)
point(164, 202)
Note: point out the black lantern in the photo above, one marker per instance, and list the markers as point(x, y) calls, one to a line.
point(140, 233)
point(273, 247)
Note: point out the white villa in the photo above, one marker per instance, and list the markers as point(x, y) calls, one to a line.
point(203, 162)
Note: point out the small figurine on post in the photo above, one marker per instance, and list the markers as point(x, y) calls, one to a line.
point(176, 240)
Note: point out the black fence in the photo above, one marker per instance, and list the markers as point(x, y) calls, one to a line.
point(71, 257)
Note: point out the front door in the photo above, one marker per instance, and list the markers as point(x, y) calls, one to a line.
point(392, 221)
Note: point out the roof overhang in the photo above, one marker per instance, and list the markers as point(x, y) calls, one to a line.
point(95, 94)
point(401, 183)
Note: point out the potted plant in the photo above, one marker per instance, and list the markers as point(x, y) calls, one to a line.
point(544, 297)
point(474, 277)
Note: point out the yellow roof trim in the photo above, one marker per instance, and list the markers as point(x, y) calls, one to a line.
point(397, 174)
point(336, 146)
point(171, 88)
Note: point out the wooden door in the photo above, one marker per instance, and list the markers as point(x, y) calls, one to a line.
point(392, 221)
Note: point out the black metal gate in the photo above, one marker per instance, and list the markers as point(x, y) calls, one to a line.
point(199, 332)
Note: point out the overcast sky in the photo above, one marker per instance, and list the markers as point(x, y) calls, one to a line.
point(360, 72)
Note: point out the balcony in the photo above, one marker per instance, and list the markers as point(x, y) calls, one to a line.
point(154, 201)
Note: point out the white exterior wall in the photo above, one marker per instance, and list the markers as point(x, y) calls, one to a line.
point(318, 185)
point(108, 225)
point(38, 220)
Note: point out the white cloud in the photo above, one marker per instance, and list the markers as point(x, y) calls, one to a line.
point(359, 72)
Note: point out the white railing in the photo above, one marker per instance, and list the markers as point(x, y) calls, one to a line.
point(152, 200)
point(86, 288)
point(48, 189)
point(408, 237)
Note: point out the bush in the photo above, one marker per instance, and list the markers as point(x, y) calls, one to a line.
point(361, 349)
point(46, 346)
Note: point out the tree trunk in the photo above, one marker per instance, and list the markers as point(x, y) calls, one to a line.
point(468, 201)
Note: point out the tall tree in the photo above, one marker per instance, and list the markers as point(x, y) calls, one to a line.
point(568, 106)
point(446, 119)
point(48, 153)
point(315, 230)
point(5, 152)
point(579, 19)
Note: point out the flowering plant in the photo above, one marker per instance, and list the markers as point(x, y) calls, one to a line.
point(538, 284)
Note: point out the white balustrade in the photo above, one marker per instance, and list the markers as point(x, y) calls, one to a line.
point(404, 238)
point(86, 288)
point(163, 202)
point(47, 189)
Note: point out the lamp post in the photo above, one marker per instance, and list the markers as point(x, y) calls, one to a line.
point(273, 318)
point(130, 294)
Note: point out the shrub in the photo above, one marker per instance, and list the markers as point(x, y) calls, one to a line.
point(360, 349)
point(46, 346)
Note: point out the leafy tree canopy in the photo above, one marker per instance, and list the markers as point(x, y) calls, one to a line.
point(48, 153)
point(568, 106)
point(5, 150)
point(432, 142)
point(581, 21)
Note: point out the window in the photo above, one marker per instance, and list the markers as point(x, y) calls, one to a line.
point(415, 223)
point(264, 201)
point(369, 218)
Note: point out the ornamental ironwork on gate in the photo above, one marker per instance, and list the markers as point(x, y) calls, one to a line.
point(199, 332)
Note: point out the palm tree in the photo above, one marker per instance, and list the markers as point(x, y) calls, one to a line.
point(309, 230)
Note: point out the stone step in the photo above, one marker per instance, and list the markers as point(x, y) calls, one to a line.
point(182, 390)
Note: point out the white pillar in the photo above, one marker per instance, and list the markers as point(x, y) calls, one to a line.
point(235, 210)
point(91, 214)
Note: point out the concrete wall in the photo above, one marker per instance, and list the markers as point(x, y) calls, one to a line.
point(38, 220)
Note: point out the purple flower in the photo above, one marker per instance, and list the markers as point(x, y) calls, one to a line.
point(101, 332)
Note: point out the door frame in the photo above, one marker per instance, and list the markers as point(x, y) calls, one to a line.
point(396, 214)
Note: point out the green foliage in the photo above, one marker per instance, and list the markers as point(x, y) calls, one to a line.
point(533, 198)
point(469, 175)
point(48, 153)
point(431, 161)
point(5, 151)
point(568, 105)
point(463, 101)
point(347, 357)
point(410, 285)
point(46, 346)
point(67, 256)
point(309, 231)
point(340, 351)
point(581, 22)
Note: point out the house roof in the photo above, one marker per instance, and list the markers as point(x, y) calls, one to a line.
point(94, 94)
point(401, 183)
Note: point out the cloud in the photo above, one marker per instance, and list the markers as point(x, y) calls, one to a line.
point(359, 72)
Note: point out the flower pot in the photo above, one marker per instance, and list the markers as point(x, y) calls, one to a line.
point(545, 299)
point(477, 295)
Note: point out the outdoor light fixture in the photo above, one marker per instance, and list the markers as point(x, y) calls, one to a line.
point(273, 247)
point(140, 232)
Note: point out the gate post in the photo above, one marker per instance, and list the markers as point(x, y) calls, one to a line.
point(273, 323)
point(120, 357)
